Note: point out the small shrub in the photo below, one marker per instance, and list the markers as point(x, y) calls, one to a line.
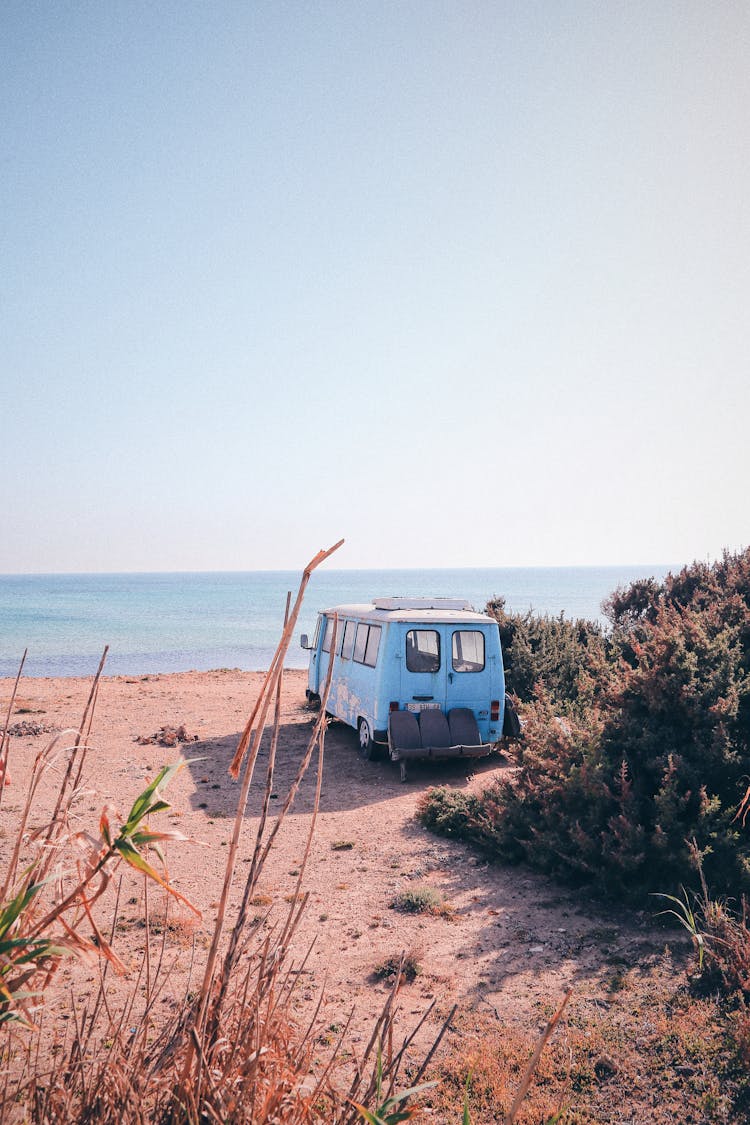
point(421, 900)
point(720, 935)
point(182, 928)
point(406, 965)
point(342, 845)
point(448, 812)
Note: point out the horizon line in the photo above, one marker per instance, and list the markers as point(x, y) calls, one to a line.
point(338, 570)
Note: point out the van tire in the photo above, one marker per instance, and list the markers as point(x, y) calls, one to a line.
point(367, 747)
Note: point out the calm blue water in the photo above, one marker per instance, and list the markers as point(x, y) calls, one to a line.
point(178, 622)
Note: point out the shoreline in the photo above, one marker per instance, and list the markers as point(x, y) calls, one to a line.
point(140, 677)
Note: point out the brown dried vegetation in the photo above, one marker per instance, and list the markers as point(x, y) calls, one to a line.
point(230, 1050)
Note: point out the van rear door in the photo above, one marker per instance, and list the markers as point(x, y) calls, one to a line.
point(474, 672)
point(423, 664)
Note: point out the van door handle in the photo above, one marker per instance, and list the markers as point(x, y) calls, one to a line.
point(450, 677)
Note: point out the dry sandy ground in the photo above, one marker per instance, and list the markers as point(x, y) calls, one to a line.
point(513, 944)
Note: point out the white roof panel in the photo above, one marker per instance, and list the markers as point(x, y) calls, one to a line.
point(373, 612)
point(422, 603)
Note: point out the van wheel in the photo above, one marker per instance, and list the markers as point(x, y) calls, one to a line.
point(366, 745)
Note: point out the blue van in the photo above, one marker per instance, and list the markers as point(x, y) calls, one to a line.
point(416, 677)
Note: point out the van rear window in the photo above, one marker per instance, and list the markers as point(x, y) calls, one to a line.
point(367, 644)
point(468, 651)
point(422, 650)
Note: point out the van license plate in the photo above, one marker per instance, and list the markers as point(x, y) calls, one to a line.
point(422, 706)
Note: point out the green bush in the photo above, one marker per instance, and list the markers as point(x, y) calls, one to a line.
point(449, 812)
point(566, 657)
point(637, 744)
point(421, 900)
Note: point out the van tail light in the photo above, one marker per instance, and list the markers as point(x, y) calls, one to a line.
point(495, 711)
point(393, 705)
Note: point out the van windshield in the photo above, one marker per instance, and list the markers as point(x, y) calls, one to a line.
point(423, 650)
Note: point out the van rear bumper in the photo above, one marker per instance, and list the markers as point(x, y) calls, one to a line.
point(438, 752)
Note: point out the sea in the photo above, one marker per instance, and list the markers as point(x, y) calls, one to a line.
point(181, 622)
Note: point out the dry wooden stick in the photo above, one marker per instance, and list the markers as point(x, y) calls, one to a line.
point(232, 950)
point(319, 777)
point(88, 709)
point(41, 764)
point(286, 636)
point(267, 691)
point(534, 1061)
point(5, 740)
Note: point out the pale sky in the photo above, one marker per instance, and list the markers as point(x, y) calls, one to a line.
point(465, 283)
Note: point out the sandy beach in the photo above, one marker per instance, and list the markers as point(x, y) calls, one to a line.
point(514, 939)
point(506, 950)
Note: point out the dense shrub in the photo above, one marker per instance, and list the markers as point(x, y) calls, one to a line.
point(642, 747)
point(568, 658)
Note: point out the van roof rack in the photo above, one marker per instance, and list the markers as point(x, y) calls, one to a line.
point(422, 603)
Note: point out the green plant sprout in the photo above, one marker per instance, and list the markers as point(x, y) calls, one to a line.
point(685, 915)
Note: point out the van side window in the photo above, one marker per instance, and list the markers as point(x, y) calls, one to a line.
point(468, 651)
point(373, 644)
point(360, 644)
point(422, 650)
point(328, 635)
point(317, 631)
point(367, 644)
point(348, 647)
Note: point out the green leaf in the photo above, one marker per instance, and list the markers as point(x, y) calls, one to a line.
point(41, 950)
point(366, 1115)
point(150, 799)
point(159, 806)
point(402, 1095)
point(150, 837)
point(17, 905)
point(14, 1017)
point(466, 1119)
point(132, 856)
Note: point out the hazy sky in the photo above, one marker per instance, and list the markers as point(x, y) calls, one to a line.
point(466, 283)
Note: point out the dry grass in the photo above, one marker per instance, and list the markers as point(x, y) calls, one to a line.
point(231, 1049)
point(654, 1056)
point(422, 900)
point(261, 900)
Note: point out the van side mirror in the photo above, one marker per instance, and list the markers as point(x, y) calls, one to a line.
point(304, 641)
